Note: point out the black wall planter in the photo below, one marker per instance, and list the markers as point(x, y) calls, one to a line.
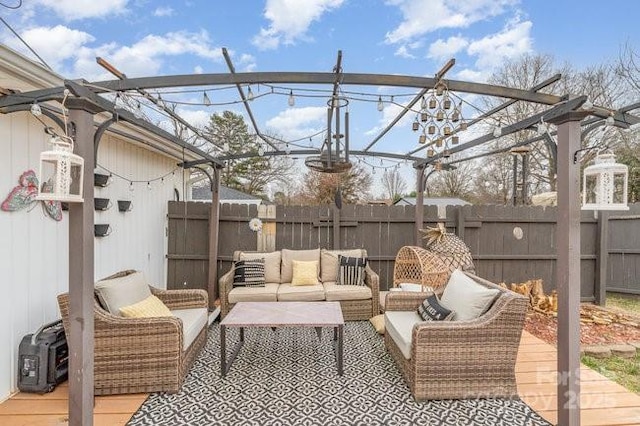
point(100, 180)
point(101, 230)
point(124, 205)
point(101, 203)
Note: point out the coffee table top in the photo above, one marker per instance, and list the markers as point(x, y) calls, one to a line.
point(279, 314)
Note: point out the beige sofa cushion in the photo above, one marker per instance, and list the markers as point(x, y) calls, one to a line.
point(271, 264)
point(288, 256)
point(300, 293)
point(399, 326)
point(329, 262)
point(268, 293)
point(335, 292)
point(193, 321)
point(120, 292)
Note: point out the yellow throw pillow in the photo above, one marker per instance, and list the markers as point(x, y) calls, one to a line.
point(305, 272)
point(378, 323)
point(148, 308)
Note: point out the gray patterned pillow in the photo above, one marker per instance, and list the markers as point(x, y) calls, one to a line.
point(248, 273)
point(431, 310)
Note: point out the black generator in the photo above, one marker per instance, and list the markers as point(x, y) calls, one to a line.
point(43, 359)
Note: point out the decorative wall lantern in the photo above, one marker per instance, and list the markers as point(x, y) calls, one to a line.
point(604, 184)
point(61, 172)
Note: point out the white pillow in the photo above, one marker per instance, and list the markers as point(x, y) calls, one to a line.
point(466, 297)
point(414, 287)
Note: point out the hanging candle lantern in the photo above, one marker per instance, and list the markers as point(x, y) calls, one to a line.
point(61, 172)
point(604, 184)
point(415, 126)
point(433, 102)
point(424, 117)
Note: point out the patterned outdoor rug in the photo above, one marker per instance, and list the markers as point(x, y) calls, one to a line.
point(288, 377)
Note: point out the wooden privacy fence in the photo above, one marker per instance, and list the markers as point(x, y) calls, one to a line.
point(510, 244)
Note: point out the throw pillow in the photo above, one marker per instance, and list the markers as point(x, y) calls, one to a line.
point(466, 297)
point(378, 323)
point(248, 273)
point(122, 289)
point(432, 310)
point(351, 270)
point(304, 272)
point(414, 287)
point(148, 308)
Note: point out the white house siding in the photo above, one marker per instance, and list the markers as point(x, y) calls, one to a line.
point(34, 248)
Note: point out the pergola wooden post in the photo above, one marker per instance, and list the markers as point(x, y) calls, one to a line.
point(568, 268)
point(419, 212)
point(81, 272)
point(214, 219)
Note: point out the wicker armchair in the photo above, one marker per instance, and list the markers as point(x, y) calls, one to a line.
point(465, 359)
point(135, 355)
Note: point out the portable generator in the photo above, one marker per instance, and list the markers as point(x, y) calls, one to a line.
point(43, 359)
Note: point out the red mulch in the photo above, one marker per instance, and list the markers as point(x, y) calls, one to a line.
point(545, 327)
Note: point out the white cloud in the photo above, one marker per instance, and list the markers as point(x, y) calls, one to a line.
point(389, 113)
point(294, 123)
point(56, 44)
point(468, 74)
point(512, 41)
point(290, 20)
point(247, 62)
point(445, 49)
point(198, 69)
point(163, 11)
point(424, 16)
point(197, 118)
point(71, 10)
point(403, 52)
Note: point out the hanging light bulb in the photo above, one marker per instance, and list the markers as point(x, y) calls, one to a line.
point(205, 99)
point(610, 121)
point(423, 103)
point(131, 186)
point(137, 112)
point(381, 162)
point(380, 104)
point(261, 152)
point(35, 109)
point(149, 186)
point(119, 102)
point(587, 105)
point(160, 102)
point(250, 94)
point(497, 132)
point(292, 100)
point(225, 146)
point(162, 181)
point(287, 149)
point(373, 170)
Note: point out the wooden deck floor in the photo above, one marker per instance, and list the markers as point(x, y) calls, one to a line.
point(603, 402)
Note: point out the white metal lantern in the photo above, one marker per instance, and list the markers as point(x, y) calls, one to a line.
point(61, 172)
point(604, 184)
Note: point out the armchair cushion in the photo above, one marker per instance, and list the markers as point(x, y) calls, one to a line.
point(399, 327)
point(115, 293)
point(432, 310)
point(193, 321)
point(329, 263)
point(351, 271)
point(148, 308)
point(288, 256)
point(467, 298)
point(305, 273)
point(271, 264)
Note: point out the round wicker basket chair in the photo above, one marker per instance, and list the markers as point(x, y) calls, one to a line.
point(419, 266)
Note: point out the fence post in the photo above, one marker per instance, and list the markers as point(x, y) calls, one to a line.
point(459, 222)
point(602, 256)
point(267, 236)
point(336, 227)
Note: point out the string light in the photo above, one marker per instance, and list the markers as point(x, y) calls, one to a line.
point(35, 109)
point(131, 186)
point(205, 99)
point(287, 149)
point(610, 121)
point(260, 151)
point(137, 113)
point(380, 104)
point(292, 100)
point(250, 94)
point(497, 132)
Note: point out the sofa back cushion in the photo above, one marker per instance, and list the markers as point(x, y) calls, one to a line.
point(329, 264)
point(467, 298)
point(288, 256)
point(271, 263)
point(115, 293)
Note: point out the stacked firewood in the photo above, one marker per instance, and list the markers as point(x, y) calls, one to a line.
point(547, 304)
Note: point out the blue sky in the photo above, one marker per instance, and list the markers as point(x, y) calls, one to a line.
point(414, 37)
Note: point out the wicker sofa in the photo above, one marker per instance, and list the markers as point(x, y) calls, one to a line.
point(457, 359)
point(135, 355)
point(357, 302)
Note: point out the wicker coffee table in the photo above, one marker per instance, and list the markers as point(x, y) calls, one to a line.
point(282, 314)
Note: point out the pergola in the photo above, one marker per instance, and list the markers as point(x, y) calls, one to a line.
point(88, 124)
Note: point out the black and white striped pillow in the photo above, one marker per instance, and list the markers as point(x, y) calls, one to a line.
point(351, 270)
point(249, 273)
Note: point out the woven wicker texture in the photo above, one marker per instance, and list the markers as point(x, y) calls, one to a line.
point(449, 247)
point(135, 355)
point(462, 359)
point(419, 266)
